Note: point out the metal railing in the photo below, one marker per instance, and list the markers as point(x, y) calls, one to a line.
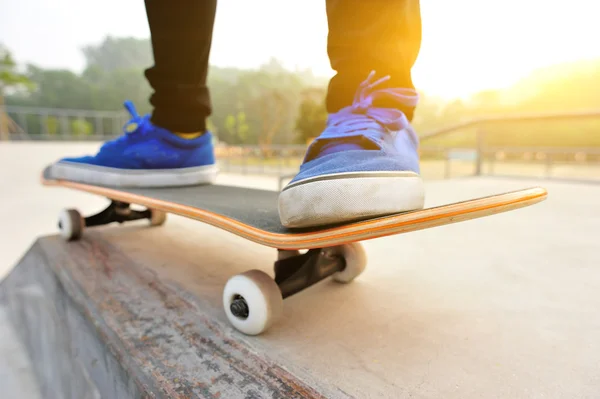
point(283, 161)
point(481, 149)
point(62, 124)
point(547, 157)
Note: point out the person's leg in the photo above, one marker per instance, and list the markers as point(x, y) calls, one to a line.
point(181, 40)
point(365, 164)
point(171, 147)
point(364, 36)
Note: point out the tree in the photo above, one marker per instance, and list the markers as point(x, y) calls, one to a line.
point(110, 88)
point(59, 88)
point(270, 97)
point(312, 117)
point(10, 79)
point(81, 127)
point(272, 105)
point(115, 72)
point(236, 127)
point(119, 53)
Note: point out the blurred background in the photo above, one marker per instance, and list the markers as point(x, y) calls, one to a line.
point(507, 88)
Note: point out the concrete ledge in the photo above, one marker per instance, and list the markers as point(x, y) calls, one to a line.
point(96, 324)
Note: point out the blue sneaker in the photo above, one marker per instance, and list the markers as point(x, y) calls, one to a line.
point(365, 164)
point(144, 156)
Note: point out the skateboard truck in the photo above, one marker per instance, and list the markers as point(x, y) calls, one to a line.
point(298, 272)
point(253, 300)
point(71, 223)
point(118, 212)
point(294, 272)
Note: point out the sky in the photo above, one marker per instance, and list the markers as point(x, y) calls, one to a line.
point(468, 45)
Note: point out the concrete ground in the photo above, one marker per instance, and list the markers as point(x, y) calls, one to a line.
point(500, 307)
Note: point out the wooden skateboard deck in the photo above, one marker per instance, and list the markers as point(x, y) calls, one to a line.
point(252, 213)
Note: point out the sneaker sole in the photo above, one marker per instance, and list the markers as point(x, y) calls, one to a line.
point(115, 177)
point(348, 197)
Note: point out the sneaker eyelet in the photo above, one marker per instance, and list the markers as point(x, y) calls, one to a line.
point(131, 127)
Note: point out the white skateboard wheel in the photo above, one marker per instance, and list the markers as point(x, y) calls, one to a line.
point(157, 218)
point(356, 261)
point(252, 301)
point(71, 224)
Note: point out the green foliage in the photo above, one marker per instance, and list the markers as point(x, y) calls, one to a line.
point(56, 89)
point(312, 116)
point(237, 128)
point(271, 105)
point(269, 98)
point(52, 125)
point(9, 77)
point(119, 53)
point(108, 89)
point(81, 127)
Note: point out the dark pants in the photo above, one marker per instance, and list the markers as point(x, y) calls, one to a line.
point(364, 35)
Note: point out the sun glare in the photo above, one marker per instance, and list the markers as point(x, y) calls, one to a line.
point(469, 46)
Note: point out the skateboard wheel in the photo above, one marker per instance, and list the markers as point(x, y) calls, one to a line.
point(252, 302)
point(356, 261)
point(157, 218)
point(71, 224)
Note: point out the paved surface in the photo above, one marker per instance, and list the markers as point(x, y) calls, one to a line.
point(501, 307)
point(16, 378)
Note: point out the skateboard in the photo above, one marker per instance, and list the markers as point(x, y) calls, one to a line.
point(253, 300)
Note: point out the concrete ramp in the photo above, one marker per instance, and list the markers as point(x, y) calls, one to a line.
point(97, 324)
point(500, 307)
